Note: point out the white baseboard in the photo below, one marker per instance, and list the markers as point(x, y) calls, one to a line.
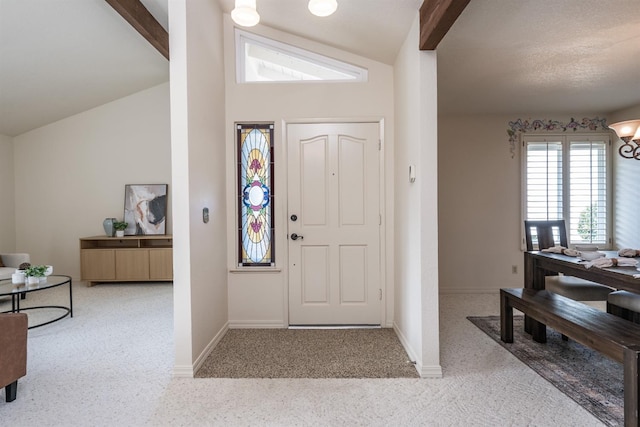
point(434, 371)
point(183, 371)
point(407, 347)
point(256, 324)
point(190, 371)
point(449, 291)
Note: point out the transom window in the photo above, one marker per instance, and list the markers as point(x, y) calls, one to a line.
point(568, 177)
point(260, 59)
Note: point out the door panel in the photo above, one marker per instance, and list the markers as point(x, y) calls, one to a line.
point(353, 278)
point(352, 180)
point(333, 187)
point(315, 277)
point(313, 163)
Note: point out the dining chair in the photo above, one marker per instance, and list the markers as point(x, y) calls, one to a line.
point(624, 304)
point(554, 233)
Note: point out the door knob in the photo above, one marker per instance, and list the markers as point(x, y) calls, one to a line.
point(294, 236)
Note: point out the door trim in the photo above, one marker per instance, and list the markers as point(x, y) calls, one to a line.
point(387, 294)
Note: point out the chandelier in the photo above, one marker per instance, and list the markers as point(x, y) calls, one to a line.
point(629, 133)
point(246, 15)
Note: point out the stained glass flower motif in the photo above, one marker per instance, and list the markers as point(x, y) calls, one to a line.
point(256, 193)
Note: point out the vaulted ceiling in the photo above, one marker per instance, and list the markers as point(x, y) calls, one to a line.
point(58, 58)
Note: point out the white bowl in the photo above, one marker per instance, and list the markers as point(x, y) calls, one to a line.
point(590, 255)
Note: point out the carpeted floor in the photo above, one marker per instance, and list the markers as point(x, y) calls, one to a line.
point(308, 353)
point(592, 380)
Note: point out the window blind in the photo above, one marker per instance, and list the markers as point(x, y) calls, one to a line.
point(544, 180)
point(566, 177)
point(588, 192)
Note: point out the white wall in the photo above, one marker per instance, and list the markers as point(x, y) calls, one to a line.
point(480, 202)
point(198, 164)
point(408, 254)
point(7, 195)
point(626, 202)
point(71, 174)
point(259, 299)
point(416, 216)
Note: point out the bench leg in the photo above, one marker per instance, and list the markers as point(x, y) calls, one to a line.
point(538, 331)
point(10, 391)
point(631, 371)
point(506, 319)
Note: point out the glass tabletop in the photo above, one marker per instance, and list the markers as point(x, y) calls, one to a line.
point(9, 288)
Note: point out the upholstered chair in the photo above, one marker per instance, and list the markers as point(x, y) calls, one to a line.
point(13, 352)
point(567, 286)
point(624, 304)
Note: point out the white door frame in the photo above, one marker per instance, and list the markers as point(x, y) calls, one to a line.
point(386, 300)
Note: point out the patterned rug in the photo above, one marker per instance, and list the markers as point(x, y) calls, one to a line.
point(308, 353)
point(583, 374)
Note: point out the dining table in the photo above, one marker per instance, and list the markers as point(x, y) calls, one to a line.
point(610, 335)
point(539, 264)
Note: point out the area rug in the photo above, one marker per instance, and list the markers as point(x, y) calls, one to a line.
point(592, 380)
point(308, 353)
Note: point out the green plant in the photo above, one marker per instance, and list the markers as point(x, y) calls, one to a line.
point(120, 225)
point(588, 223)
point(35, 271)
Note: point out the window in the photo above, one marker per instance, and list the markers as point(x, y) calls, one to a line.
point(568, 177)
point(255, 195)
point(259, 59)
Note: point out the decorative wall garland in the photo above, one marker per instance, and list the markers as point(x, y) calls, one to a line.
point(522, 126)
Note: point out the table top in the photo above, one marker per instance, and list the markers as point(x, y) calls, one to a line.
point(616, 277)
point(579, 261)
point(9, 288)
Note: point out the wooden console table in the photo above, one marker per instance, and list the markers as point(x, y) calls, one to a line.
point(147, 258)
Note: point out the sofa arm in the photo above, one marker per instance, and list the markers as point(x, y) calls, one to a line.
point(14, 260)
point(13, 347)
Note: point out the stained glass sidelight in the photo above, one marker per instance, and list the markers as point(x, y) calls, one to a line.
point(255, 194)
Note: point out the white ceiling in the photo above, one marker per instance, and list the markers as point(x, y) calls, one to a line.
point(58, 58)
point(541, 56)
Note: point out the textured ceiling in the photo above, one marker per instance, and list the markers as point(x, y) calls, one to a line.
point(541, 56)
point(58, 58)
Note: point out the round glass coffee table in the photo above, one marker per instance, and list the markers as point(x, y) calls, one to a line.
point(19, 291)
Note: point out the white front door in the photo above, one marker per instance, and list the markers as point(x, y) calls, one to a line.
point(334, 224)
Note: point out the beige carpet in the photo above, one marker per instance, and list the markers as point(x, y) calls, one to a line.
point(308, 353)
point(583, 374)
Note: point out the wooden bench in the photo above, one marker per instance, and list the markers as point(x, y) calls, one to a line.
point(616, 338)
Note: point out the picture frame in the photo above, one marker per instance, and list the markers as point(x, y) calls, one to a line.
point(145, 209)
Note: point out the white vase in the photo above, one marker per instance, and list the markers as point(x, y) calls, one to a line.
point(17, 278)
point(119, 233)
point(32, 280)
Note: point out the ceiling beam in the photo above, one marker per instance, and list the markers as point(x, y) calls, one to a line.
point(436, 18)
point(134, 12)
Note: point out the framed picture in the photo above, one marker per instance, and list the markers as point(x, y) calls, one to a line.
point(145, 208)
